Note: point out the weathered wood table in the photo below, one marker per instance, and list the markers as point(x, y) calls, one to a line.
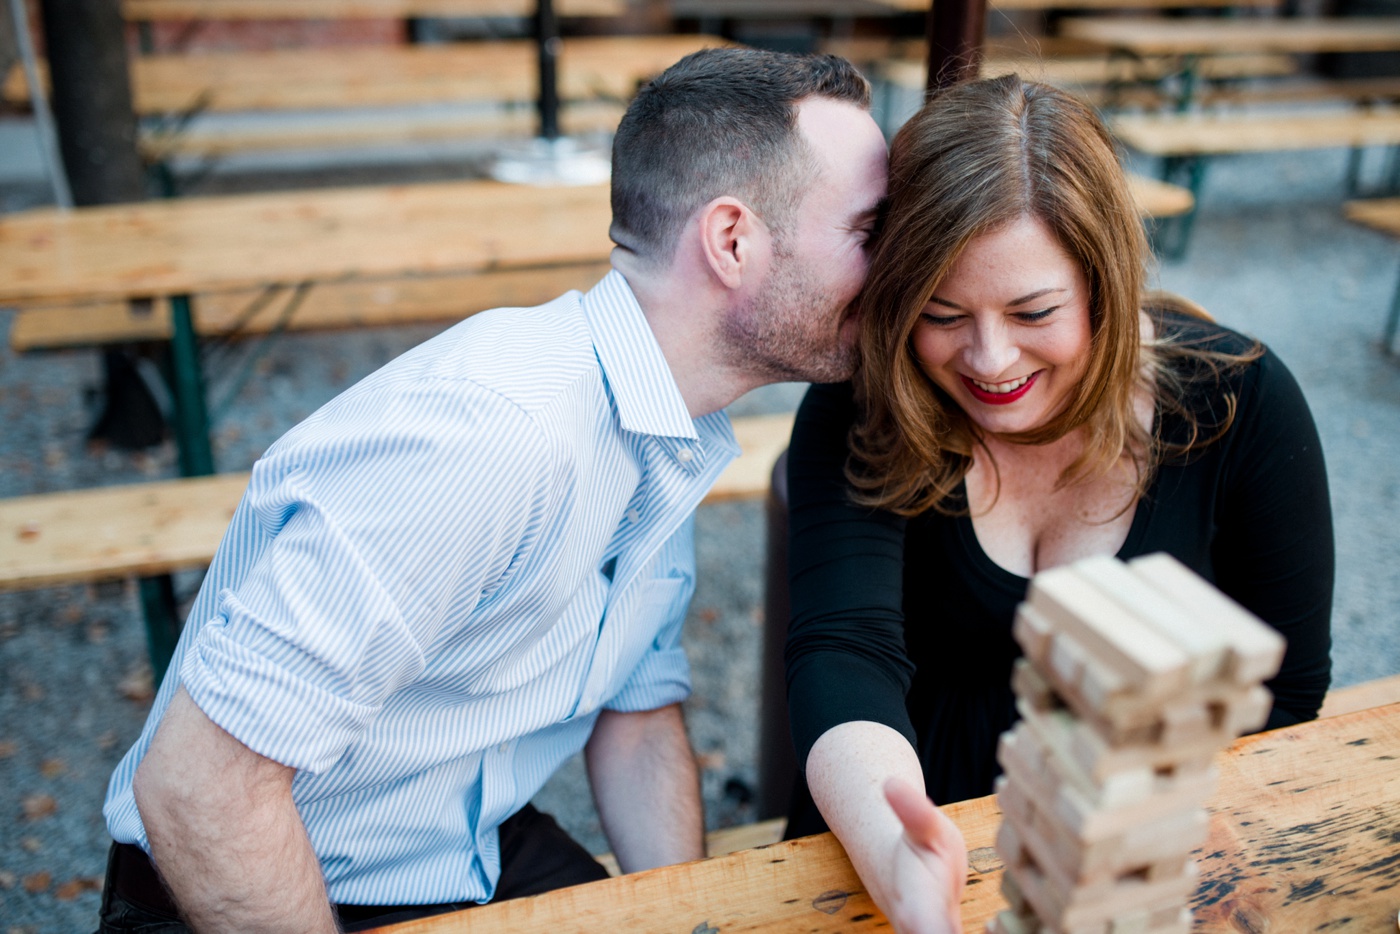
point(1149, 37)
point(172, 249)
point(1304, 836)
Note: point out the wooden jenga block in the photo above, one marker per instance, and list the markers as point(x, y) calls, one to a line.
point(1005, 922)
point(1206, 647)
point(1030, 687)
point(1255, 650)
point(1134, 651)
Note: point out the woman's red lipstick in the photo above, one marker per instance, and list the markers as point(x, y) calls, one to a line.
point(999, 398)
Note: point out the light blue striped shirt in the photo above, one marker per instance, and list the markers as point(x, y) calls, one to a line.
point(434, 584)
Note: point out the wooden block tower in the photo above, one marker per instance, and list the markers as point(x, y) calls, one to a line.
point(1135, 675)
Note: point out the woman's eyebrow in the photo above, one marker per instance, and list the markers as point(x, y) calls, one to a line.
point(1041, 293)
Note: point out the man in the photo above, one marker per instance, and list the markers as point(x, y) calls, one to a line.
point(476, 561)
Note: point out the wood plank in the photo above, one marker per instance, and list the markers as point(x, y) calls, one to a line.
point(383, 76)
point(137, 529)
point(1301, 838)
point(1082, 72)
point(326, 306)
point(1215, 36)
point(162, 526)
point(1382, 214)
point(798, 885)
point(1213, 134)
point(147, 10)
point(1378, 692)
point(724, 841)
point(194, 245)
point(206, 142)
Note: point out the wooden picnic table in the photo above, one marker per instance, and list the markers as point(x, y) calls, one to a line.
point(174, 249)
point(1302, 838)
point(590, 67)
point(151, 10)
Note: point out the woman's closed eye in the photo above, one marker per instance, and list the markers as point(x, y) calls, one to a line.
point(1037, 315)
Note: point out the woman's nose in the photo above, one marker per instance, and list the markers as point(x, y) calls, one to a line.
point(991, 352)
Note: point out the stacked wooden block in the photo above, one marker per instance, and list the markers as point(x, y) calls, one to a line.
point(1135, 675)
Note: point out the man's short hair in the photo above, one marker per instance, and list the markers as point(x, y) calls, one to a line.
point(719, 122)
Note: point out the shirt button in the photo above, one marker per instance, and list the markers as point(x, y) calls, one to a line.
point(502, 748)
point(634, 515)
point(685, 455)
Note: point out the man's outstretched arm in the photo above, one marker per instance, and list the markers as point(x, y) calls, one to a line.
point(224, 832)
point(647, 787)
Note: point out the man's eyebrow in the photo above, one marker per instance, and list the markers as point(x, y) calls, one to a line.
point(1041, 293)
point(875, 212)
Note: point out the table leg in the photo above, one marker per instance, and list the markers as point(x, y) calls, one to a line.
point(1392, 323)
point(191, 411)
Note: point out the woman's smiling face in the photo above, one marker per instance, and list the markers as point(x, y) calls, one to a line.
point(1006, 334)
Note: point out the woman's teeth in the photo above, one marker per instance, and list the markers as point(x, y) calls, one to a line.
point(999, 388)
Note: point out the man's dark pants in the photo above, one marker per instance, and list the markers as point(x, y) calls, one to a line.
point(536, 856)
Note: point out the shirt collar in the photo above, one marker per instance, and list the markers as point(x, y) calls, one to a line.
point(647, 398)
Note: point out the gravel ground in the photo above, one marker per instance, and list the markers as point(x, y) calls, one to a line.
point(1270, 256)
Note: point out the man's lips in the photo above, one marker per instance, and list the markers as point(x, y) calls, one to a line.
point(999, 398)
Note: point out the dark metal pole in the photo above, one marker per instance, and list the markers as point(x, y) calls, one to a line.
point(547, 38)
point(955, 32)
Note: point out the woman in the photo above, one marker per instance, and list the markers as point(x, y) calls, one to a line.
point(1020, 404)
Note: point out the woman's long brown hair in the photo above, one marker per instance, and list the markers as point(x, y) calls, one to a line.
point(976, 157)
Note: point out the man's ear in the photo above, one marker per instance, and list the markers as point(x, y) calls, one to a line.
point(731, 238)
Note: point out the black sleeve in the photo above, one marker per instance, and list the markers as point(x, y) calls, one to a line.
point(1274, 550)
point(846, 656)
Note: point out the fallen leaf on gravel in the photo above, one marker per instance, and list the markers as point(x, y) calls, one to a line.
point(97, 632)
point(75, 887)
point(37, 807)
point(52, 768)
point(137, 686)
point(31, 691)
point(31, 844)
point(711, 761)
point(107, 740)
point(7, 749)
point(7, 879)
point(70, 615)
point(37, 882)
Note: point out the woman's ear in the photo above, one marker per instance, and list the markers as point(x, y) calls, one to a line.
point(733, 240)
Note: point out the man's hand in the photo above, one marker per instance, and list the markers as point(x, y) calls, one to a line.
point(928, 865)
point(224, 832)
point(647, 787)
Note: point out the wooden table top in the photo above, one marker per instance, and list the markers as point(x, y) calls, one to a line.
point(192, 245)
point(1216, 36)
point(142, 10)
point(1304, 836)
point(383, 76)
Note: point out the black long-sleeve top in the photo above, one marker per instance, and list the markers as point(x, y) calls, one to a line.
point(908, 622)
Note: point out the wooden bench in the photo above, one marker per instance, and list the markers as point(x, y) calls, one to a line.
point(1185, 141)
point(342, 97)
point(145, 529)
point(1364, 696)
point(1381, 214)
point(326, 306)
point(149, 530)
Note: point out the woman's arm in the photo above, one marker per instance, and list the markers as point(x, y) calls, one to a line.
point(868, 783)
point(1273, 551)
point(845, 654)
point(848, 674)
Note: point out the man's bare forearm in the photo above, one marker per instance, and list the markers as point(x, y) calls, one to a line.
point(647, 788)
point(225, 833)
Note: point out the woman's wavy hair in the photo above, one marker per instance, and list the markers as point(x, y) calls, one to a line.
point(979, 156)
